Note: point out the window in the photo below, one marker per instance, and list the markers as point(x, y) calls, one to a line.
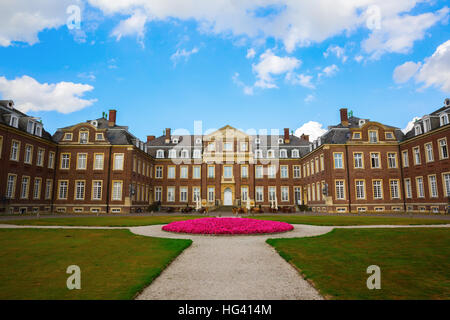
point(196, 173)
point(28, 154)
point(272, 172)
point(446, 181)
point(360, 189)
point(443, 119)
point(433, 186)
point(79, 190)
point(338, 160)
point(98, 161)
point(82, 161)
point(25, 187)
point(63, 189)
point(11, 186)
point(420, 189)
point(312, 167)
point(40, 157)
point(284, 193)
point(322, 163)
point(185, 154)
point(356, 135)
point(160, 154)
point(65, 160)
point(211, 146)
point(313, 192)
point(99, 136)
point(14, 122)
point(405, 158)
point(284, 173)
point(298, 195)
point(443, 150)
point(394, 188)
point(30, 127)
point(84, 137)
point(358, 160)
point(340, 195)
point(318, 191)
point(259, 194)
point(15, 146)
point(196, 194)
point(170, 172)
point(158, 172)
point(118, 161)
point(426, 125)
point(244, 193)
point(68, 137)
point(51, 159)
point(392, 160)
point(170, 194)
point(429, 157)
point(294, 153)
point(297, 172)
point(270, 154)
point(244, 171)
point(373, 136)
point(258, 172)
point(375, 160)
point(228, 146)
point(377, 189)
point(184, 172)
point(197, 154)
point(244, 146)
point(172, 153)
point(272, 193)
point(183, 194)
point(158, 194)
point(283, 153)
point(48, 189)
point(37, 188)
point(417, 129)
point(211, 170)
point(257, 141)
point(389, 135)
point(228, 172)
point(417, 156)
point(211, 194)
point(97, 190)
point(408, 190)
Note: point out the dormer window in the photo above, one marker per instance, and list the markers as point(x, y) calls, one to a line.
point(283, 153)
point(257, 141)
point(314, 145)
point(185, 154)
point(310, 147)
point(84, 137)
point(270, 154)
point(175, 140)
point(258, 153)
point(319, 141)
point(30, 127)
point(361, 122)
point(417, 129)
point(172, 153)
point(280, 141)
point(68, 137)
point(295, 153)
point(14, 122)
point(356, 135)
point(38, 130)
point(99, 136)
point(389, 135)
point(160, 154)
point(426, 125)
point(443, 119)
point(197, 153)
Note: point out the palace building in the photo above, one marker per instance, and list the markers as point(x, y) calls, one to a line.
point(98, 166)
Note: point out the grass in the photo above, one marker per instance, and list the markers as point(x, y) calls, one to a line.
point(151, 220)
point(115, 264)
point(414, 263)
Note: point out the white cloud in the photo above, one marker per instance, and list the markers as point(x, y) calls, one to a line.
point(248, 90)
point(310, 98)
point(359, 58)
point(183, 53)
point(87, 75)
point(329, 71)
point(250, 53)
point(300, 79)
point(30, 95)
point(295, 23)
point(410, 125)
point(312, 128)
point(134, 25)
point(270, 65)
point(433, 71)
point(339, 52)
point(405, 71)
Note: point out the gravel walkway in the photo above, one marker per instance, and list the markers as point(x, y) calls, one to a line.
point(230, 267)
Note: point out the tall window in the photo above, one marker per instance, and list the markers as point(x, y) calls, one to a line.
point(244, 194)
point(170, 172)
point(417, 156)
point(37, 188)
point(322, 163)
point(259, 194)
point(443, 119)
point(284, 172)
point(284, 193)
point(82, 161)
point(433, 186)
point(15, 151)
point(244, 171)
point(313, 191)
point(158, 172)
point(443, 148)
point(340, 195)
point(358, 158)
point(373, 136)
point(312, 167)
point(405, 158)
point(11, 186)
point(51, 159)
point(298, 195)
point(360, 189)
point(63, 189)
point(160, 154)
point(40, 157)
point(118, 161)
point(258, 172)
point(408, 189)
point(98, 161)
point(97, 190)
point(420, 189)
point(65, 161)
point(272, 193)
point(196, 193)
point(375, 160)
point(429, 152)
point(25, 187)
point(211, 194)
point(228, 146)
point(393, 185)
point(228, 172)
point(84, 137)
point(172, 153)
point(338, 162)
point(272, 171)
point(158, 194)
point(170, 194)
point(211, 171)
point(48, 189)
point(28, 154)
point(196, 174)
point(294, 153)
point(446, 177)
point(377, 189)
point(297, 171)
point(183, 194)
point(392, 160)
point(80, 187)
point(184, 172)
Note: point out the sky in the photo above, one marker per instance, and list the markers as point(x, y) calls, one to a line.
point(267, 64)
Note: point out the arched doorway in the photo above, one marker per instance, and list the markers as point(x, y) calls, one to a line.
point(227, 197)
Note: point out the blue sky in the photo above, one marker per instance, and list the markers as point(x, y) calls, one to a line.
point(160, 66)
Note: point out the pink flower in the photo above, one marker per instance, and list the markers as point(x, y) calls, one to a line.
point(227, 226)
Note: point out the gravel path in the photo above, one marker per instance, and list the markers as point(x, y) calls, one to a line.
point(230, 267)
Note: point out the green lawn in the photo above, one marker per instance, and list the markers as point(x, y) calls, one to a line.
point(414, 262)
point(115, 264)
point(122, 221)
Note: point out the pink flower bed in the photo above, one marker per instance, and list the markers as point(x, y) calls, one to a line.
point(227, 226)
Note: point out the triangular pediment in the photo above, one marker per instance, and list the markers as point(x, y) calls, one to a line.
point(227, 133)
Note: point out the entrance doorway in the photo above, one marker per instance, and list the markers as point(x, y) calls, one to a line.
point(227, 197)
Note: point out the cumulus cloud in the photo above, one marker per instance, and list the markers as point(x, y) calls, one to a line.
point(248, 90)
point(329, 71)
point(312, 128)
point(410, 125)
point(250, 53)
point(30, 95)
point(300, 79)
point(133, 26)
point(433, 71)
point(339, 52)
point(309, 98)
point(183, 53)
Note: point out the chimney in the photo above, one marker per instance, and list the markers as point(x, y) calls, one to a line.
point(344, 117)
point(286, 135)
point(167, 140)
point(112, 118)
point(150, 138)
point(305, 137)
